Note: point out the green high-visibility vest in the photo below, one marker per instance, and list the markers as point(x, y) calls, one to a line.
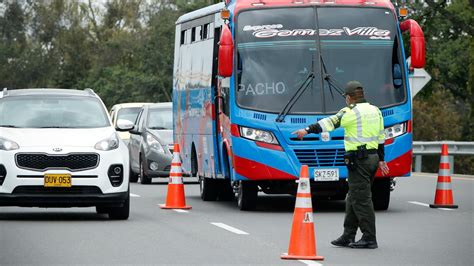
point(362, 123)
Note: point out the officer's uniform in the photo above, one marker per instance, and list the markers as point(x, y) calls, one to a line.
point(363, 142)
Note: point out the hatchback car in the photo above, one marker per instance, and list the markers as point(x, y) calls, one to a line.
point(125, 111)
point(151, 143)
point(58, 148)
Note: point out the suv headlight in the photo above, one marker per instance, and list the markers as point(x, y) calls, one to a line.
point(258, 135)
point(395, 131)
point(8, 145)
point(110, 143)
point(154, 143)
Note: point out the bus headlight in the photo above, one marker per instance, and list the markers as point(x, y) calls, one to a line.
point(395, 131)
point(258, 135)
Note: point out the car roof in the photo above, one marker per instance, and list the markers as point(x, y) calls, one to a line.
point(160, 105)
point(128, 105)
point(47, 91)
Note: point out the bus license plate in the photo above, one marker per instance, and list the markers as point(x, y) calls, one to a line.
point(326, 174)
point(57, 180)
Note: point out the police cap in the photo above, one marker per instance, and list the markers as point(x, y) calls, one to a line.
point(352, 86)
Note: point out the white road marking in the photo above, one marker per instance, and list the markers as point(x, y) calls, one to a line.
point(230, 228)
point(419, 203)
point(179, 210)
point(427, 205)
point(310, 262)
point(135, 195)
point(445, 209)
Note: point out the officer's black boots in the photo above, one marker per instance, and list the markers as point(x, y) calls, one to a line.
point(362, 243)
point(342, 242)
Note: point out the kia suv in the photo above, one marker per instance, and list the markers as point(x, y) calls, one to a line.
point(58, 148)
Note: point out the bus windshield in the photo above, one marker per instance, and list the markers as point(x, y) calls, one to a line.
point(278, 48)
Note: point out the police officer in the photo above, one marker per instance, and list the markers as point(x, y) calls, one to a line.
point(364, 144)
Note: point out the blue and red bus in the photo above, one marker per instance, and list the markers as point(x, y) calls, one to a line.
point(248, 73)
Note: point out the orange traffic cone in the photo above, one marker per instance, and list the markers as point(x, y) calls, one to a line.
point(444, 192)
point(302, 239)
point(175, 198)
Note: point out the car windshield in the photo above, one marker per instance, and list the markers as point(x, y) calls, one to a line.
point(52, 111)
point(278, 48)
point(129, 113)
point(160, 118)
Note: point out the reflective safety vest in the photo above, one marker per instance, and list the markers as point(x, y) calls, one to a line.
point(362, 123)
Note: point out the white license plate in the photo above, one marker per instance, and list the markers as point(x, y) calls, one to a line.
point(326, 174)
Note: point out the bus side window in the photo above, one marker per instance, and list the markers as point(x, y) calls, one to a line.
point(225, 88)
point(397, 76)
point(183, 37)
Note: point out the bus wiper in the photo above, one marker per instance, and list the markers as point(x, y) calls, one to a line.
point(281, 116)
point(157, 128)
point(10, 126)
point(333, 84)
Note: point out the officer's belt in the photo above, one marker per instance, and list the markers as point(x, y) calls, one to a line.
point(369, 151)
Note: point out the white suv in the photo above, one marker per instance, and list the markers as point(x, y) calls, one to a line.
point(58, 149)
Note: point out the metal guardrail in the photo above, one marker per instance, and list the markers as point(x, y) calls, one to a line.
point(421, 148)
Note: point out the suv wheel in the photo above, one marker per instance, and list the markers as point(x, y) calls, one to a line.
point(121, 213)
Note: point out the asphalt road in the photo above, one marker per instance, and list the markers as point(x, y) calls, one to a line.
point(409, 233)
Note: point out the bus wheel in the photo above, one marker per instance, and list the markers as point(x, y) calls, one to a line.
point(381, 193)
point(226, 190)
point(208, 188)
point(247, 195)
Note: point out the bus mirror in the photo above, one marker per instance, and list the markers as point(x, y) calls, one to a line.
point(226, 53)
point(417, 42)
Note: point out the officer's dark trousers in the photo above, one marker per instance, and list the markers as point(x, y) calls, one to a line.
point(359, 206)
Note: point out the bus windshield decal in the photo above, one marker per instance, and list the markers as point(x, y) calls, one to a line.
point(276, 30)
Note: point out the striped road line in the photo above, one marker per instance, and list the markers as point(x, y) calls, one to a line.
point(427, 205)
point(230, 228)
point(135, 195)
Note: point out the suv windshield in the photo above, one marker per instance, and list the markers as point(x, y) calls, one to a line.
point(160, 118)
point(52, 111)
point(129, 113)
point(277, 49)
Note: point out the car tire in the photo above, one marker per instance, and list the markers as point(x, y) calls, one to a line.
point(121, 213)
point(133, 176)
point(208, 189)
point(247, 195)
point(144, 179)
point(381, 194)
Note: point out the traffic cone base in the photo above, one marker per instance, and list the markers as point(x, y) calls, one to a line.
point(163, 206)
point(443, 206)
point(296, 257)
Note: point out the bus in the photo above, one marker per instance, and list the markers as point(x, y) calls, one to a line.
point(248, 73)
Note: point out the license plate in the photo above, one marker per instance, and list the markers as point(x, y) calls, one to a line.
point(57, 180)
point(326, 174)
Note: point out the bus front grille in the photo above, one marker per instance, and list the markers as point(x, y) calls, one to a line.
point(321, 157)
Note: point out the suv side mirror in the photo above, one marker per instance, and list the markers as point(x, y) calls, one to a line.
point(226, 53)
point(124, 125)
